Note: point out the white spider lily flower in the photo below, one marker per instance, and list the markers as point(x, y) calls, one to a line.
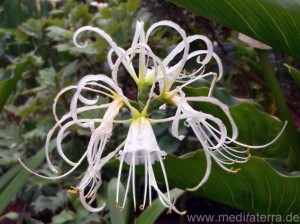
point(141, 147)
point(101, 130)
point(104, 86)
point(163, 71)
point(212, 134)
point(92, 179)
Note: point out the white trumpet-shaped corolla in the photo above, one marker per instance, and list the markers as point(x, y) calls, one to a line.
point(141, 148)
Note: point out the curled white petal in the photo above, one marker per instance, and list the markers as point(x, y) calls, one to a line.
point(107, 38)
point(185, 44)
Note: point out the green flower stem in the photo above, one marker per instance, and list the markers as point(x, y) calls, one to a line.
point(283, 110)
point(143, 93)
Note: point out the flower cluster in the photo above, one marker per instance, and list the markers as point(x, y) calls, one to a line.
point(160, 83)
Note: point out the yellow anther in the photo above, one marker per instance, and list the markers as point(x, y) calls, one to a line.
point(248, 150)
point(249, 156)
point(73, 190)
point(234, 170)
point(230, 171)
point(238, 169)
point(185, 72)
point(119, 207)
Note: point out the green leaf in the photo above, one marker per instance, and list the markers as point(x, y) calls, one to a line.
point(31, 106)
point(219, 93)
point(82, 215)
point(273, 22)
point(130, 6)
point(64, 217)
point(21, 178)
point(7, 85)
point(258, 128)
point(168, 144)
point(33, 27)
point(58, 33)
point(257, 188)
point(116, 216)
point(11, 137)
point(295, 73)
point(11, 215)
point(49, 202)
point(152, 213)
point(7, 157)
point(33, 221)
point(69, 71)
point(18, 9)
point(9, 175)
point(47, 76)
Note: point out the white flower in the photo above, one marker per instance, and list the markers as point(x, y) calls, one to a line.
point(141, 147)
point(212, 134)
point(101, 130)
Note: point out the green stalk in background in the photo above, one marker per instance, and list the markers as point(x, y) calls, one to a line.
point(283, 110)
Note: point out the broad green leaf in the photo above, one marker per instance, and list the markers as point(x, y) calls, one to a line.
point(273, 22)
point(219, 93)
point(13, 187)
point(168, 143)
point(65, 216)
point(295, 73)
point(116, 216)
point(152, 213)
point(257, 188)
point(9, 175)
point(7, 85)
point(259, 128)
point(18, 10)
